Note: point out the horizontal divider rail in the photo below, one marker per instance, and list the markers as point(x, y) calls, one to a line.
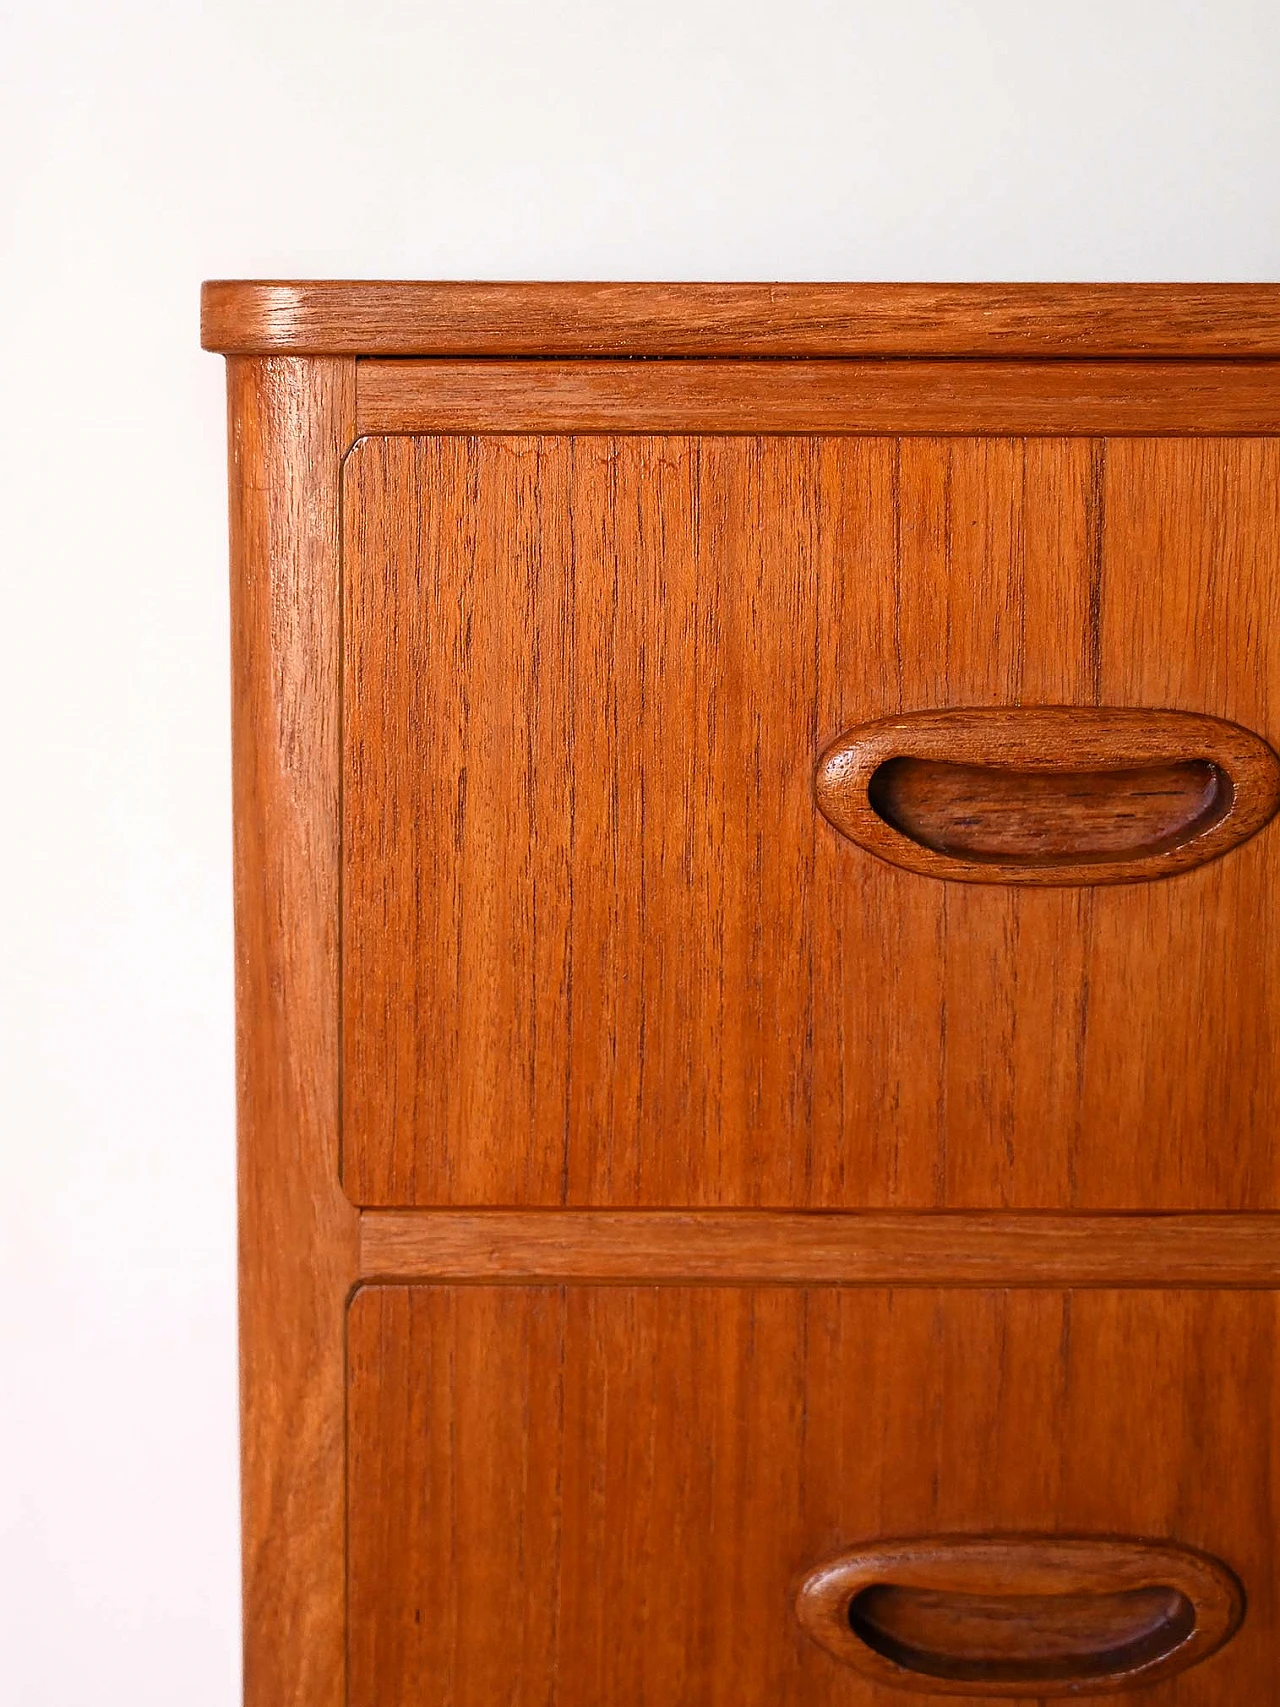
point(889, 1248)
point(1098, 398)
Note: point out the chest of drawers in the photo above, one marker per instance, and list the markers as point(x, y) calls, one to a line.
point(757, 991)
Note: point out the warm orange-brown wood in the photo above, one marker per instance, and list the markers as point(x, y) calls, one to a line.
point(1049, 794)
point(441, 318)
point(600, 944)
point(859, 1246)
point(803, 1249)
point(1038, 820)
point(1008, 1614)
point(583, 1495)
point(290, 420)
point(1033, 398)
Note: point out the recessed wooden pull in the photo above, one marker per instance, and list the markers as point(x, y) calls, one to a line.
point(1049, 794)
point(1012, 1615)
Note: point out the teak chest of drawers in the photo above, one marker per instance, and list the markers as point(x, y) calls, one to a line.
point(757, 987)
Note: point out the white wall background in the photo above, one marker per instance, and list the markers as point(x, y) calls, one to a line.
point(145, 144)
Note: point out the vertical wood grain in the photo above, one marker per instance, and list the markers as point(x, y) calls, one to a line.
point(535, 908)
point(1182, 1072)
point(290, 421)
point(600, 948)
point(604, 1494)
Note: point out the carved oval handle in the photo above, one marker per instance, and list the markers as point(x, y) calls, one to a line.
point(1048, 794)
point(1019, 1615)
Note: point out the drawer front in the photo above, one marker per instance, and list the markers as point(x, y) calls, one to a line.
point(601, 946)
point(610, 1496)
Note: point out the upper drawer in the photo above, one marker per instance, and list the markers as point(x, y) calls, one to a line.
point(599, 943)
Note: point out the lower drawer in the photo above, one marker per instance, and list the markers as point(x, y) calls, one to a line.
point(610, 1496)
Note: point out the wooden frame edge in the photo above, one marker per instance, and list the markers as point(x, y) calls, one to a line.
point(805, 1248)
point(1021, 398)
point(545, 318)
point(290, 419)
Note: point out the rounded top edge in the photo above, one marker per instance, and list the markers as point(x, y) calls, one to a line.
point(458, 318)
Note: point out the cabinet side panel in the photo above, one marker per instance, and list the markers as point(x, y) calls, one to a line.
point(290, 420)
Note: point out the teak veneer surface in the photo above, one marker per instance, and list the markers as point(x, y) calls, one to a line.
point(664, 1246)
point(444, 318)
point(601, 947)
point(1031, 398)
point(290, 421)
point(535, 908)
point(606, 1495)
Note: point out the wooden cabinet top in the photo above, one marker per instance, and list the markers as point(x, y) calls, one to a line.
point(460, 318)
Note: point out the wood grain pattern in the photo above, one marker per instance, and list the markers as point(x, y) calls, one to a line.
point(664, 1246)
point(1031, 398)
point(414, 317)
point(601, 948)
point(1011, 1614)
point(1039, 818)
point(535, 907)
point(289, 420)
point(1049, 794)
point(606, 1494)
